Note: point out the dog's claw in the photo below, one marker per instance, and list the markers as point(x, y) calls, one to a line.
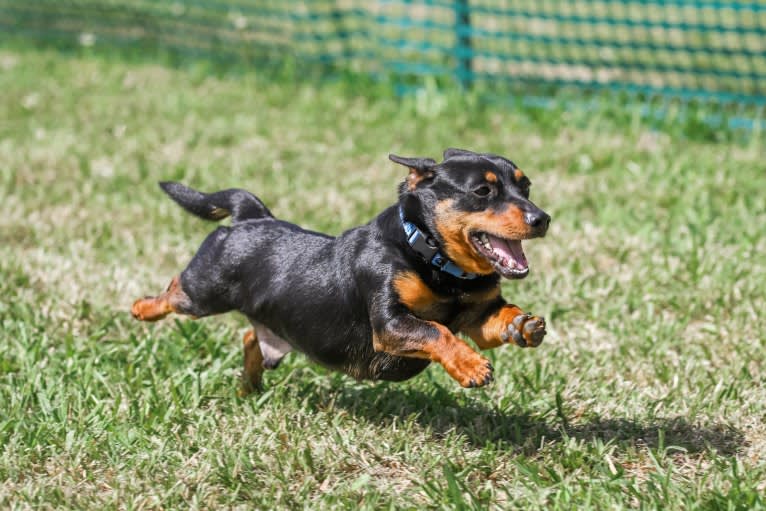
point(534, 330)
point(519, 320)
point(476, 373)
point(518, 338)
point(526, 330)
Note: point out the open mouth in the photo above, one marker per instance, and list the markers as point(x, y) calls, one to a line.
point(505, 255)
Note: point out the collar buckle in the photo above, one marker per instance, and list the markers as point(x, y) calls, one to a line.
point(427, 248)
point(423, 245)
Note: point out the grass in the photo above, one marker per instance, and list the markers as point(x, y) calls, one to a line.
point(648, 392)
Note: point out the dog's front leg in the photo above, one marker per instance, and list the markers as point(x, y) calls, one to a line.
point(404, 335)
point(502, 323)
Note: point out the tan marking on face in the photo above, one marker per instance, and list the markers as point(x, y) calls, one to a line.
point(455, 228)
point(451, 225)
point(518, 174)
point(490, 176)
point(415, 177)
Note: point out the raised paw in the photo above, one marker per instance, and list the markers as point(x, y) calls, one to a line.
point(475, 371)
point(525, 330)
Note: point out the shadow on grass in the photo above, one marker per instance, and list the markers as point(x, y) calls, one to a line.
point(481, 423)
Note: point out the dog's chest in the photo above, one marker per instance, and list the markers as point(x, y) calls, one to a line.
point(449, 310)
point(427, 304)
point(440, 310)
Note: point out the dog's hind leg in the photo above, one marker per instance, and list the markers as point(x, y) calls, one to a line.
point(252, 374)
point(207, 286)
point(263, 349)
point(154, 308)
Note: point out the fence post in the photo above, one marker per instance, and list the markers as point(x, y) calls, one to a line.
point(338, 22)
point(462, 50)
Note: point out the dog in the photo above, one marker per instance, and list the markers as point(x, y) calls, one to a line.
point(380, 301)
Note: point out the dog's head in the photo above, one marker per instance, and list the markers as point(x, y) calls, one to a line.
point(476, 206)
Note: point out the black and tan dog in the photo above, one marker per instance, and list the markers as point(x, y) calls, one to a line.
point(380, 301)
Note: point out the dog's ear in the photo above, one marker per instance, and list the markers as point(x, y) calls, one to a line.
point(453, 151)
point(420, 168)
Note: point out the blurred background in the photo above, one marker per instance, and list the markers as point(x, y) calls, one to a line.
point(712, 51)
point(639, 122)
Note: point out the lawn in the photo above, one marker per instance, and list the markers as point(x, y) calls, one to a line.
point(649, 391)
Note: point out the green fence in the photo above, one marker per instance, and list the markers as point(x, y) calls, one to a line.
point(704, 50)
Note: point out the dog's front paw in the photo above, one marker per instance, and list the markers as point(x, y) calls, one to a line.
point(525, 330)
point(473, 371)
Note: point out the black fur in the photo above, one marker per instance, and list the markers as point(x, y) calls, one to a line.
point(328, 296)
point(239, 204)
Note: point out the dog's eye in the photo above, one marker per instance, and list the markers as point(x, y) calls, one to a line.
point(482, 191)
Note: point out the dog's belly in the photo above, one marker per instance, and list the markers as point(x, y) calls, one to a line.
point(356, 359)
point(382, 366)
point(273, 347)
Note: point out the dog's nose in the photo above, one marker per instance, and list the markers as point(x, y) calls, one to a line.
point(538, 219)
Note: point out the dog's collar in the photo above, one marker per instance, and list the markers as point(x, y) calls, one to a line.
point(427, 248)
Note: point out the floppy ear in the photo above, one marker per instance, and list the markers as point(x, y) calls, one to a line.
point(420, 168)
point(453, 151)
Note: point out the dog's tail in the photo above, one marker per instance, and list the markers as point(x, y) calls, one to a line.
point(239, 204)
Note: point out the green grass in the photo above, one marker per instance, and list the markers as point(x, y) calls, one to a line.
point(649, 391)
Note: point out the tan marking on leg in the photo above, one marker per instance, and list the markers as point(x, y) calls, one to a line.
point(252, 374)
point(460, 361)
point(488, 334)
point(509, 324)
point(154, 308)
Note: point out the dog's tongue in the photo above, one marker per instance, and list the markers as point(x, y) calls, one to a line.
point(510, 252)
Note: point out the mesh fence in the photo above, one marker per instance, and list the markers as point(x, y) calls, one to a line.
point(701, 49)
